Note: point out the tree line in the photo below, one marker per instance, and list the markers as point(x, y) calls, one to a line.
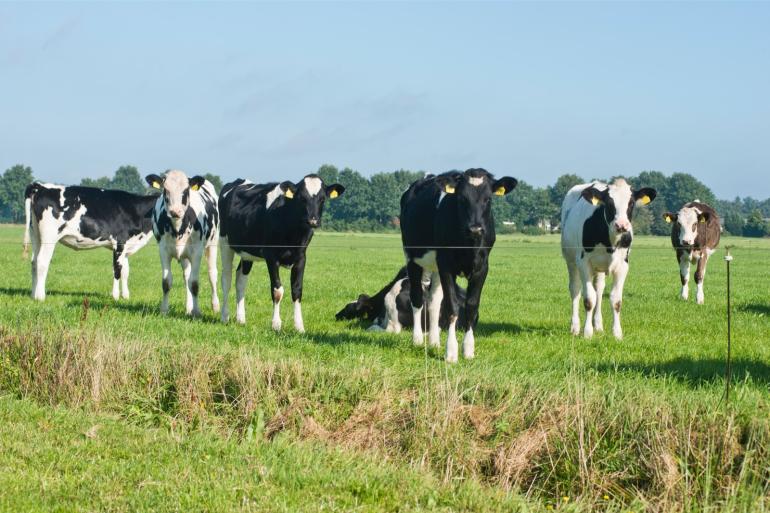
point(372, 203)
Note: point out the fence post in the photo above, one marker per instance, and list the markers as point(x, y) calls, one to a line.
point(728, 370)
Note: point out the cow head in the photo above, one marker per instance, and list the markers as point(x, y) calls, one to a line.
point(360, 308)
point(618, 201)
point(474, 190)
point(309, 196)
point(175, 190)
point(688, 219)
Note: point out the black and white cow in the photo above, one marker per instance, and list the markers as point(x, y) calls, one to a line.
point(84, 218)
point(273, 222)
point(185, 222)
point(447, 230)
point(390, 309)
point(695, 234)
point(595, 240)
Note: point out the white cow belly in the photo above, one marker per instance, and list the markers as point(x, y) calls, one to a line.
point(427, 261)
point(80, 242)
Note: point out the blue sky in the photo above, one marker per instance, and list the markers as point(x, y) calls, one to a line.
point(272, 91)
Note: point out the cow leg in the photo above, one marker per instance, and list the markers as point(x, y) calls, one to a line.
point(241, 280)
point(616, 297)
point(193, 284)
point(452, 309)
point(416, 292)
point(124, 277)
point(276, 291)
point(117, 270)
point(40, 262)
point(211, 265)
point(435, 296)
point(167, 278)
point(684, 274)
point(472, 302)
point(700, 275)
point(574, 291)
point(227, 255)
point(599, 286)
point(297, 275)
point(589, 298)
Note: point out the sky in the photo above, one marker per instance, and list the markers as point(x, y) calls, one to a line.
point(271, 91)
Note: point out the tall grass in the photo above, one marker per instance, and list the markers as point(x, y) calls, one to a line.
point(577, 443)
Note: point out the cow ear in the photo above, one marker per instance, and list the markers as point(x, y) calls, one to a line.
point(645, 196)
point(504, 185)
point(669, 217)
point(334, 190)
point(154, 181)
point(592, 195)
point(196, 182)
point(448, 181)
point(288, 189)
point(704, 217)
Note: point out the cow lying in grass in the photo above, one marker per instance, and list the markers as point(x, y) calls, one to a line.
point(390, 308)
point(695, 233)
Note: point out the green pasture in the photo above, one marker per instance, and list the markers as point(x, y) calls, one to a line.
point(345, 419)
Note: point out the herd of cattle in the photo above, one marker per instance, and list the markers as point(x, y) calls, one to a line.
point(447, 231)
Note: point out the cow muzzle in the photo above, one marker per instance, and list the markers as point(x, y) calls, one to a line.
point(476, 230)
point(622, 226)
point(314, 222)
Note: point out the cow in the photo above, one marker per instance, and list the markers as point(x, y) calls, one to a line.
point(273, 222)
point(695, 233)
point(390, 308)
point(595, 240)
point(448, 230)
point(185, 222)
point(84, 218)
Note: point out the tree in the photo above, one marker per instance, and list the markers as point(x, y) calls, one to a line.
point(734, 223)
point(755, 225)
point(563, 184)
point(127, 178)
point(100, 183)
point(215, 180)
point(12, 185)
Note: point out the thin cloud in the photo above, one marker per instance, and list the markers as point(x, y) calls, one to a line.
point(62, 32)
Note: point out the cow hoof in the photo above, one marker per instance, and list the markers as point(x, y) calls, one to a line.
point(598, 329)
point(618, 334)
point(195, 314)
point(451, 358)
point(276, 325)
point(125, 295)
point(701, 300)
point(588, 334)
point(575, 330)
point(38, 297)
point(434, 340)
point(300, 328)
point(225, 319)
point(215, 307)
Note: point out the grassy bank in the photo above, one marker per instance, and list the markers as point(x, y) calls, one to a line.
point(536, 417)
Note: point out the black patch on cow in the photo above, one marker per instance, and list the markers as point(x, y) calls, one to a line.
point(194, 288)
point(596, 231)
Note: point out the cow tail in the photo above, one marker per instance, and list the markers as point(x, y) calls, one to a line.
point(29, 193)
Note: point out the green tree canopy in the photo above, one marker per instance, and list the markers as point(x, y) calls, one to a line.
point(12, 185)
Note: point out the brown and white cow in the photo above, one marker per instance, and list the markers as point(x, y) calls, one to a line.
point(695, 233)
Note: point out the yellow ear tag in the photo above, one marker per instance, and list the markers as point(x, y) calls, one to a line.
point(703, 220)
point(645, 200)
point(668, 219)
point(333, 194)
point(449, 189)
point(500, 191)
point(288, 194)
point(195, 187)
point(595, 201)
point(156, 185)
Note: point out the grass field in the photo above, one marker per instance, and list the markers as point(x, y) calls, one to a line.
point(113, 407)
